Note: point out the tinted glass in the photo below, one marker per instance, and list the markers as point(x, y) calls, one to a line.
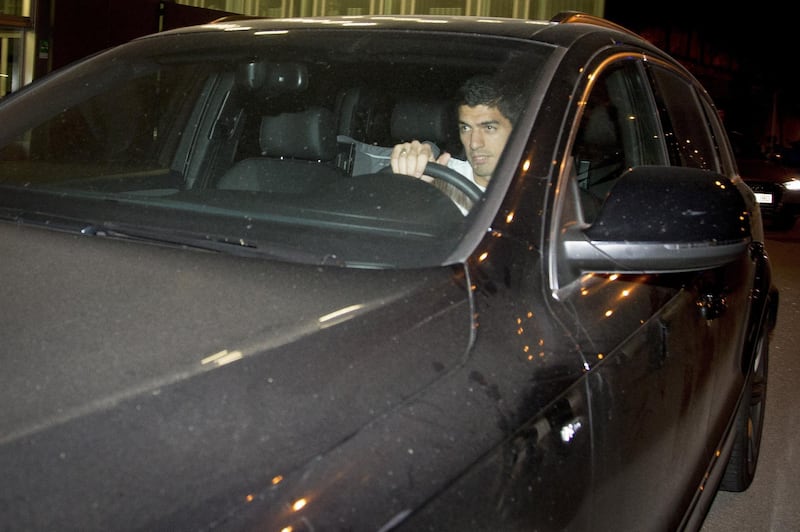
point(253, 141)
point(687, 130)
point(618, 130)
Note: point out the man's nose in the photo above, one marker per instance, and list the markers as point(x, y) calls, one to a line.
point(475, 139)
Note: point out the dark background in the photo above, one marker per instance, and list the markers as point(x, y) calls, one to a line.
point(745, 55)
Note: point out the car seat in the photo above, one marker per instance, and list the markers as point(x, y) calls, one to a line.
point(298, 152)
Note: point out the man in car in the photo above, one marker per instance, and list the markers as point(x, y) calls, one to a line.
point(487, 112)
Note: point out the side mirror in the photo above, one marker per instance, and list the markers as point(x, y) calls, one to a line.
point(662, 219)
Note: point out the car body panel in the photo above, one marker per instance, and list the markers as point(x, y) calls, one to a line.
point(153, 379)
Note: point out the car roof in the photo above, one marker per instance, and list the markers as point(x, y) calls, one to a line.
point(562, 29)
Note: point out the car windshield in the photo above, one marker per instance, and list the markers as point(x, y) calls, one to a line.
point(270, 143)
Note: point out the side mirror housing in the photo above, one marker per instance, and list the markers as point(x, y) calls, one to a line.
point(663, 219)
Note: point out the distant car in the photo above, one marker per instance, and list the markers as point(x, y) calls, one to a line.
point(222, 312)
point(777, 190)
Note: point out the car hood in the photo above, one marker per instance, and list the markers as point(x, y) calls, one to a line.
point(193, 375)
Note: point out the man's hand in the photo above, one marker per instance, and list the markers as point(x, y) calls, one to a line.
point(410, 158)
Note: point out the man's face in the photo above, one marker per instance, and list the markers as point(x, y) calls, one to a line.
point(484, 132)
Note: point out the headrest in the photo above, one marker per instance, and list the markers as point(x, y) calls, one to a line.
point(423, 120)
point(599, 128)
point(309, 135)
point(365, 115)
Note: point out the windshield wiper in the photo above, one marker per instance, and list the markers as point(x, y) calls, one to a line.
point(173, 237)
point(207, 242)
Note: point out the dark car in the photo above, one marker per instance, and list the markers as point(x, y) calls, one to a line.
point(776, 187)
point(223, 311)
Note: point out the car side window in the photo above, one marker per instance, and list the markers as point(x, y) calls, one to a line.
point(618, 130)
point(690, 141)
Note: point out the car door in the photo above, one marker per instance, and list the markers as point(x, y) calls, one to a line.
point(726, 293)
point(662, 349)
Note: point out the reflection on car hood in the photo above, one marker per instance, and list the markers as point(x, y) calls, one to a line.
point(179, 367)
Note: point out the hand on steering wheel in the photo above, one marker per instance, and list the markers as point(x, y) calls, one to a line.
point(417, 159)
point(444, 173)
point(461, 182)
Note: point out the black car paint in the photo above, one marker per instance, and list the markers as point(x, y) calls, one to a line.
point(145, 354)
point(464, 386)
point(237, 411)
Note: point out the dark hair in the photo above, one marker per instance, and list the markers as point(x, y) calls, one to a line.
point(493, 92)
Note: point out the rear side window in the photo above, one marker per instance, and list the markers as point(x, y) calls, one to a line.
point(687, 130)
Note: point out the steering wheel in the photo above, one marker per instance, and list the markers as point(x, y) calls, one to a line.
point(448, 175)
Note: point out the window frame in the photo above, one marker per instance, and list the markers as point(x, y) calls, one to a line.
point(571, 211)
